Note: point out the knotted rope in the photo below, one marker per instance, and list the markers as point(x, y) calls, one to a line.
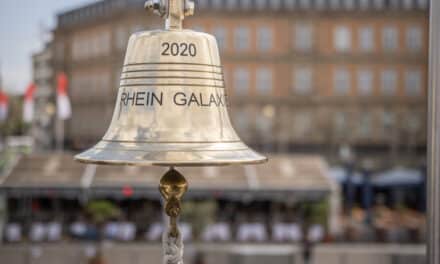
point(172, 248)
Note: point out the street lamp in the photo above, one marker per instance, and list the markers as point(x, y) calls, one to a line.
point(368, 166)
point(347, 157)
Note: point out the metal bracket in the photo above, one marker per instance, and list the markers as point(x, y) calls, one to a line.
point(174, 11)
point(172, 187)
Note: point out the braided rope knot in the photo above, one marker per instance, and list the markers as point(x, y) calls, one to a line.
point(172, 248)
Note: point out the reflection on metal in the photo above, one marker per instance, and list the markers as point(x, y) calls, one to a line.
point(171, 110)
point(434, 136)
point(173, 11)
point(172, 187)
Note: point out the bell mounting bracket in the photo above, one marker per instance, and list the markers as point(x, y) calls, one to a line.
point(172, 187)
point(174, 11)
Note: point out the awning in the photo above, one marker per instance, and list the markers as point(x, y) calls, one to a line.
point(340, 175)
point(301, 176)
point(398, 177)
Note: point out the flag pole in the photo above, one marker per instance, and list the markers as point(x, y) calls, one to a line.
point(64, 109)
point(59, 134)
point(434, 136)
point(2, 136)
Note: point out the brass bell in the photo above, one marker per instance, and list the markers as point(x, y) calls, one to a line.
point(171, 108)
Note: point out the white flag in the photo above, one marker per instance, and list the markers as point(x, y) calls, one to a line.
point(64, 108)
point(4, 106)
point(28, 104)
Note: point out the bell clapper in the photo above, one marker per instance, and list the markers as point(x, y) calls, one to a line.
point(172, 188)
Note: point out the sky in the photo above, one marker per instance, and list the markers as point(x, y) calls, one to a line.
point(22, 23)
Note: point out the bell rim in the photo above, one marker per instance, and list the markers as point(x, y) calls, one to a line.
point(147, 163)
point(242, 157)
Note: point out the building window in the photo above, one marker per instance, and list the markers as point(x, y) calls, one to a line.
point(242, 121)
point(414, 122)
point(261, 4)
point(394, 4)
point(365, 124)
point(389, 82)
point(408, 4)
point(264, 39)
point(76, 48)
point(121, 38)
point(304, 4)
point(136, 28)
point(302, 124)
point(334, 4)
point(275, 4)
point(340, 123)
point(388, 121)
point(231, 4)
point(246, 4)
point(303, 80)
point(220, 34)
point(342, 39)
point(198, 28)
point(320, 4)
point(104, 81)
point(217, 4)
point(366, 39)
point(349, 4)
point(290, 4)
point(379, 4)
point(104, 43)
point(341, 81)
point(423, 4)
point(414, 38)
point(265, 121)
point(390, 38)
point(264, 80)
point(364, 4)
point(242, 38)
point(413, 83)
point(365, 82)
point(117, 77)
point(303, 37)
point(202, 4)
point(241, 81)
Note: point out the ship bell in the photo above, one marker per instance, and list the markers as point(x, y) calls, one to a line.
point(171, 108)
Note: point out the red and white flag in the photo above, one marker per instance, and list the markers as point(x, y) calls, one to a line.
point(28, 104)
point(4, 106)
point(64, 109)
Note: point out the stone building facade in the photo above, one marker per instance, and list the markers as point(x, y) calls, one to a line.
point(42, 129)
point(301, 75)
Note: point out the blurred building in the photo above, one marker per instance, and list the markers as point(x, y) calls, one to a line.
point(301, 75)
point(43, 77)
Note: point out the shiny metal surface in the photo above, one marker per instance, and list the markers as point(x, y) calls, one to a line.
point(171, 108)
point(434, 137)
point(174, 11)
point(172, 187)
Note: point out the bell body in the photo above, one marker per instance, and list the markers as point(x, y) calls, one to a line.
point(171, 108)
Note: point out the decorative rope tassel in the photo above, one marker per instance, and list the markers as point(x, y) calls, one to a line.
point(172, 248)
point(172, 187)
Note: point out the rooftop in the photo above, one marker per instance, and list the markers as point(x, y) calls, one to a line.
point(42, 174)
point(107, 8)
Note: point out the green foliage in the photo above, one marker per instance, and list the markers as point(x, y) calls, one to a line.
point(102, 210)
point(200, 214)
point(14, 124)
point(316, 212)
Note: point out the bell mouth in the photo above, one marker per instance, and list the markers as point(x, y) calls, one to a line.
point(170, 154)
